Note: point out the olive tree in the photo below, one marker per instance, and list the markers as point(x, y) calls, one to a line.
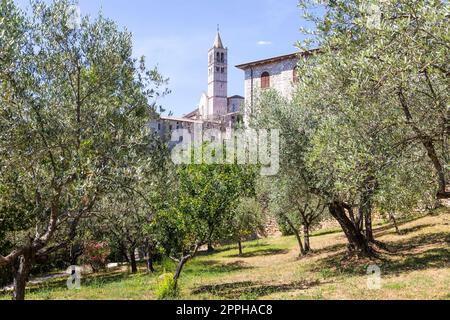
point(125, 218)
point(246, 220)
point(397, 51)
point(204, 198)
point(362, 107)
point(74, 110)
point(297, 208)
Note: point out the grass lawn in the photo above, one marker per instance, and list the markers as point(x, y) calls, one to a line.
point(418, 267)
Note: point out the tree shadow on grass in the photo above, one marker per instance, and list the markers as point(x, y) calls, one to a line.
point(251, 290)
point(256, 245)
point(434, 258)
point(260, 253)
point(391, 228)
point(380, 233)
point(215, 266)
point(410, 255)
point(404, 247)
point(328, 249)
point(231, 248)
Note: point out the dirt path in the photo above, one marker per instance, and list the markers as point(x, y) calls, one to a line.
point(38, 280)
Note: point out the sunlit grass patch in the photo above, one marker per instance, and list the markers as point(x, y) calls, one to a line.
point(418, 268)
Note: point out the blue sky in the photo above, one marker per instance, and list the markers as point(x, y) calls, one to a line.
point(176, 36)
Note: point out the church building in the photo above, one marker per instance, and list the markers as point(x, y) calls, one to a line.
point(218, 110)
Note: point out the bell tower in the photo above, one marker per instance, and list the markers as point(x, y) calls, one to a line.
point(217, 78)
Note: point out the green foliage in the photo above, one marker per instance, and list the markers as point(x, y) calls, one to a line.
point(75, 106)
point(289, 200)
point(167, 288)
point(378, 97)
point(370, 108)
point(6, 276)
point(403, 190)
point(284, 227)
point(202, 210)
point(247, 220)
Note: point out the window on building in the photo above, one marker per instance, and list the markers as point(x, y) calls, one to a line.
point(217, 69)
point(295, 75)
point(222, 57)
point(159, 126)
point(265, 80)
point(222, 70)
point(218, 57)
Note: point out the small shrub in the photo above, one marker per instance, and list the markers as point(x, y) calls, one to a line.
point(167, 289)
point(96, 255)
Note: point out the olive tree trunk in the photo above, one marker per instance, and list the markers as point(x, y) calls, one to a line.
point(297, 236)
point(306, 238)
point(394, 221)
point(133, 263)
point(240, 247)
point(150, 255)
point(22, 269)
point(357, 242)
point(429, 146)
point(180, 266)
point(182, 262)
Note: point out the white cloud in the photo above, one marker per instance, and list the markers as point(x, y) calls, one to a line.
point(264, 43)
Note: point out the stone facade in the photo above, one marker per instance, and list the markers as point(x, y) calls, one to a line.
point(281, 72)
point(217, 80)
point(166, 125)
point(234, 104)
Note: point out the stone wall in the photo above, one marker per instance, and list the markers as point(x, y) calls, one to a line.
point(234, 104)
point(281, 78)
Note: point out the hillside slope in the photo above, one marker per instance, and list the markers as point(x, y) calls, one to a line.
point(418, 267)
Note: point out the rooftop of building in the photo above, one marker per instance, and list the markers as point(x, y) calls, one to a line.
point(218, 41)
point(236, 97)
point(247, 65)
point(179, 119)
point(191, 114)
